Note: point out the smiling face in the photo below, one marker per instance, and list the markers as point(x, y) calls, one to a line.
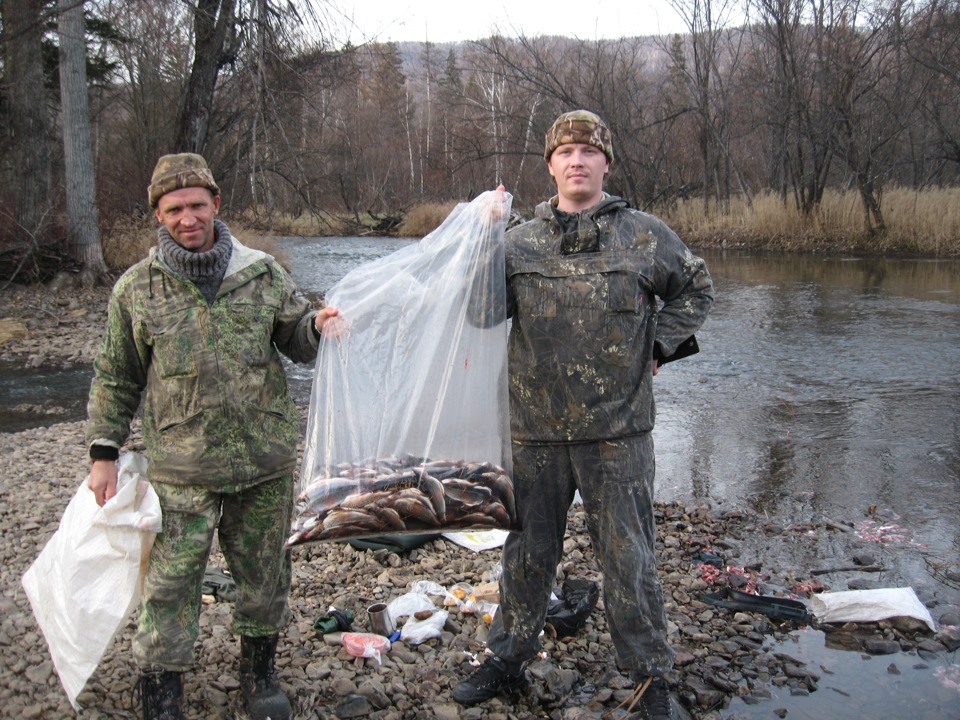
point(578, 169)
point(188, 214)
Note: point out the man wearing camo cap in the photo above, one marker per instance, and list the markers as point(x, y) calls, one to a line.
point(584, 279)
point(196, 329)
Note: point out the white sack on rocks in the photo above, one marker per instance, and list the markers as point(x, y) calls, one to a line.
point(88, 577)
point(870, 606)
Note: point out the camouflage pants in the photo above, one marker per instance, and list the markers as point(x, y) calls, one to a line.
point(252, 527)
point(615, 479)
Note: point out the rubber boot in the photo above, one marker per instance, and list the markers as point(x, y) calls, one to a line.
point(161, 695)
point(258, 679)
point(495, 677)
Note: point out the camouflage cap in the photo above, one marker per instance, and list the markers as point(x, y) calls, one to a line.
point(579, 126)
point(179, 171)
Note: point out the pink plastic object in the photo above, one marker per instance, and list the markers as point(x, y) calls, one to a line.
point(366, 645)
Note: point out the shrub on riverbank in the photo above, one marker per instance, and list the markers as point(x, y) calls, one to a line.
point(424, 219)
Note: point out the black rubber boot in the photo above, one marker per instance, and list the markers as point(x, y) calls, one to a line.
point(493, 678)
point(161, 695)
point(655, 703)
point(258, 679)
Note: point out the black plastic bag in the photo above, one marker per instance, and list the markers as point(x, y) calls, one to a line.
point(394, 543)
point(575, 601)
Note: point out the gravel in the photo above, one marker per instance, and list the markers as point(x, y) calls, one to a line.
point(720, 653)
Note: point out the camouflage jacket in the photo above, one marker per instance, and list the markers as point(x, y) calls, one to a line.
point(586, 323)
point(216, 411)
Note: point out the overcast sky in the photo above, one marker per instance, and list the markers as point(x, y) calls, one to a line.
point(457, 20)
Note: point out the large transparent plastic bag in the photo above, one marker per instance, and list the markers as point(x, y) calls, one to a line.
point(408, 427)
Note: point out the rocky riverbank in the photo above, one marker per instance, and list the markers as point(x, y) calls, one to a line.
point(722, 654)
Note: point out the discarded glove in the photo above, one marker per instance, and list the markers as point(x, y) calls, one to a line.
point(334, 621)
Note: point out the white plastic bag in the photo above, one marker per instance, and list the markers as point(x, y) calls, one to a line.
point(417, 632)
point(478, 540)
point(870, 606)
point(408, 428)
point(88, 577)
point(409, 604)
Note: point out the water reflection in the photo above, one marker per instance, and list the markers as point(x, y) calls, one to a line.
point(37, 397)
point(854, 686)
point(825, 387)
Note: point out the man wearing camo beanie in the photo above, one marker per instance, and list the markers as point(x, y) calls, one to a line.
point(195, 330)
point(584, 279)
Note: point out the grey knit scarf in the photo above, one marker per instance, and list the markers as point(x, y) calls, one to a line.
point(205, 270)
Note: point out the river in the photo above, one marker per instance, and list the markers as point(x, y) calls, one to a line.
point(829, 382)
point(826, 388)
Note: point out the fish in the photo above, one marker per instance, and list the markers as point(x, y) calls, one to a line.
point(326, 493)
point(418, 509)
point(390, 517)
point(502, 485)
point(338, 518)
point(433, 489)
point(468, 495)
point(361, 500)
point(403, 493)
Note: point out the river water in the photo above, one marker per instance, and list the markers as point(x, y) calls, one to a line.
point(829, 382)
point(826, 388)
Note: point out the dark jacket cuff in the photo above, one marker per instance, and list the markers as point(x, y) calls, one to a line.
point(685, 349)
point(103, 452)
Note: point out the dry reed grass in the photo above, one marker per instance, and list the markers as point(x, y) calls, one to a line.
point(925, 222)
point(423, 219)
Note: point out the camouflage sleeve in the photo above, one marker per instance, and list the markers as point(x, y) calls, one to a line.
point(487, 292)
point(684, 285)
point(293, 331)
point(119, 376)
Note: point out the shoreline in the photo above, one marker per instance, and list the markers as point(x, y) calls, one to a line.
point(722, 655)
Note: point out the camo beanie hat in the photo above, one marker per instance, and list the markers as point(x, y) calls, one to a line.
point(179, 171)
point(579, 126)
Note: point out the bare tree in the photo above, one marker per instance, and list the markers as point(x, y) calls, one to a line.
point(138, 114)
point(715, 59)
point(214, 23)
point(83, 232)
point(26, 120)
point(932, 44)
point(787, 61)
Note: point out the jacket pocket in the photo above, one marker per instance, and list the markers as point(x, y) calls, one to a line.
point(174, 336)
point(248, 328)
point(623, 320)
